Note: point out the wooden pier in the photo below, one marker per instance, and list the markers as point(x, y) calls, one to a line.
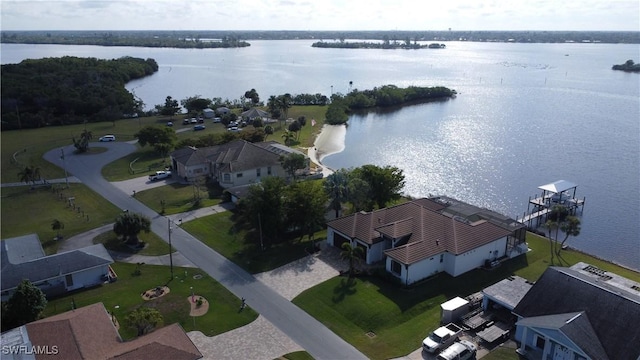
point(560, 192)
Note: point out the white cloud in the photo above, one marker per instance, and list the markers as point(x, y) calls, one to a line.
point(320, 15)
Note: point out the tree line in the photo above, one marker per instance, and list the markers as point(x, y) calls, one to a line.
point(525, 36)
point(116, 38)
point(69, 90)
point(385, 96)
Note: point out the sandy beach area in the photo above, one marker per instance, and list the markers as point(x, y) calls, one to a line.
point(329, 141)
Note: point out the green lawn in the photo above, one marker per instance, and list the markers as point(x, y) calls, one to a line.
point(401, 318)
point(26, 211)
point(178, 198)
point(218, 232)
point(223, 314)
point(28, 146)
point(154, 245)
point(298, 355)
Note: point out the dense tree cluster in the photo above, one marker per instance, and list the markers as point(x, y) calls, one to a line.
point(24, 306)
point(273, 209)
point(384, 96)
point(69, 90)
point(365, 188)
point(123, 38)
point(628, 66)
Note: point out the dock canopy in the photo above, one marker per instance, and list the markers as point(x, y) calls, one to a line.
point(558, 187)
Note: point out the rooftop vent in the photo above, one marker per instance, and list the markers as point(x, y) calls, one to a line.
point(598, 272)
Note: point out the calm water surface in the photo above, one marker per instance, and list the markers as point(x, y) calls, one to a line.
point(526, 115)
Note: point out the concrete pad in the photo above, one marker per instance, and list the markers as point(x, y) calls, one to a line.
point(259, 340)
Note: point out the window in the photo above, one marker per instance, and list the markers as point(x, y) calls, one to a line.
point(226, 177)
point(441, 257)
point(239, 175)
point(539, 342)
point(396, 268)
point(269, 170)
point(258, 172)
point(69, 279)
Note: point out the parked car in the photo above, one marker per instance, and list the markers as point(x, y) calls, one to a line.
point(441, 338)
point(159, 175)
point(234, 129)
point(463, 350)
point(199, 127)
point(107, 138)
point(169, 123)
point(193, 120)
point(217, 120)
point(185, 122)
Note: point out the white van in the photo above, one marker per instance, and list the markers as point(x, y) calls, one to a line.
point(462, 350)
point(107, 138)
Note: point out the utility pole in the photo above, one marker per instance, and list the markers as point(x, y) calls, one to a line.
point(64, 166)
point(170, 252)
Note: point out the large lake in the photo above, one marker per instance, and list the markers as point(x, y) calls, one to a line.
point(526, 115)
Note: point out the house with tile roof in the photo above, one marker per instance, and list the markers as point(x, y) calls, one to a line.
point(90, 333)
point(233, 164)
point(23, 258)
point(581, 312)
point(423, 237)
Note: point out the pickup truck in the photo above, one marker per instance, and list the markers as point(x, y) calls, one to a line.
point(441, 338)
point(159, 175)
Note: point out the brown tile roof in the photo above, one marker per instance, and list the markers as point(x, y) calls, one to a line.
point(88, 333)
point(430, 230)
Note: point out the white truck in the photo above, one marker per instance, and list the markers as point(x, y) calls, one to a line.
point(463, 350)
point(159, 175)
point(441, 338)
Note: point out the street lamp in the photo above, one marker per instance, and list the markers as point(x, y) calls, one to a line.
point(170, 252)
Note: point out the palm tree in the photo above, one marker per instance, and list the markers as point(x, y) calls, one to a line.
point(570, 227)
point(336, 186)
point(83, 144)
point(288, 137)
point(352, 254)
point(57, 225)
point(29, 174)
point(550, 225)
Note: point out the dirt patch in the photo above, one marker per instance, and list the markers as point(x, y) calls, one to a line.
point(155, 293)
point(198, 310)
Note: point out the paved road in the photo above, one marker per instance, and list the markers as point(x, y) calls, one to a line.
point(306, 331)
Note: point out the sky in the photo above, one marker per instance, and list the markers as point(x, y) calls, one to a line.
point(558, 15)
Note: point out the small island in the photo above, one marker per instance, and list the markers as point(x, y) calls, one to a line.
point(628, 66)
point(385, 44)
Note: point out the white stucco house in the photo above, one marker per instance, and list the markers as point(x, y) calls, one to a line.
point(236, 163)
point(424, 237)
point(23, 258)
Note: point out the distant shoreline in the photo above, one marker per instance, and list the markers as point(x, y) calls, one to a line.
point(202, 37)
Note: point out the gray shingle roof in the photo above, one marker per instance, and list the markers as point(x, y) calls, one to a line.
point(234, 156)
point(609, 309)
point(47, 267)
point(575, 327)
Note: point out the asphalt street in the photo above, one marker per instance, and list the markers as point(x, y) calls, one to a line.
point(306, 331)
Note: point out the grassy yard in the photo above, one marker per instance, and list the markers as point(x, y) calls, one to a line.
point(22, 148)
point(178, 198)
point(298, 355)
point(219, 233)
point(401, 318)
point(154, 245)
point(223, 314)
point(26, 211)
